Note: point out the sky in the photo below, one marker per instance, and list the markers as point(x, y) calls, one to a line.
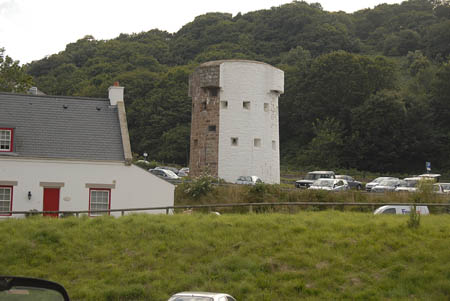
point(33, 29)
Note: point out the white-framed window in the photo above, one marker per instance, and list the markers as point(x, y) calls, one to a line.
point(234, 141)
point(6, 140)
point(246, 105)
point(6, 196)
point(99, 199)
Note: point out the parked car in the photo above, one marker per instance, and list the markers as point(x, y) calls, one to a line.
point(387, 185)
point(185, 170)
point(201, 296)
point(352, 183)
point(248, 180)
point(164, 173)
point(24, 288)
point(409, 184)
point(182, 173)
point(441, 188)
point(396, 209)
point(330, 184)
point(313, 176)
point(172, 169)
point(377, 181)
point(431, 176)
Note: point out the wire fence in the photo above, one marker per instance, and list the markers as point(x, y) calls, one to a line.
point(210, 207)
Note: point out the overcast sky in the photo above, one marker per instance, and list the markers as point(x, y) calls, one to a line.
point(32, 29)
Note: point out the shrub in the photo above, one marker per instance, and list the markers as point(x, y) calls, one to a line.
point(199, 186)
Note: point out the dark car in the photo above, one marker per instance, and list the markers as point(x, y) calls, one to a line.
point(313, 176)
point(352, 183)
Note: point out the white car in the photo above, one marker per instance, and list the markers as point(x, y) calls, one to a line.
point(409, 184)
point(377, 181)
point(164, 173)
point(330, 184)
point(396, 209)
point(201, 296)
point(249, 180)
point(441, 188)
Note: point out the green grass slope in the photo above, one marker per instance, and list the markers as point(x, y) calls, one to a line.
point(312, 255)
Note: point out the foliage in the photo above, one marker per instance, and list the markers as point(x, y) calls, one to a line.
point(313, 255)
point(199, 186)
point(13, 77)
point(414, 218)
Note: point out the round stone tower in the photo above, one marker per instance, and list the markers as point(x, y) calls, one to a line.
point(234, 129)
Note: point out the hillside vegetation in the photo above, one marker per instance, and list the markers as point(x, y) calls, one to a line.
point(368, 90)
point(325, 255)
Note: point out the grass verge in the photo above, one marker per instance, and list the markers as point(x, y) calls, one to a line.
point(315, 255)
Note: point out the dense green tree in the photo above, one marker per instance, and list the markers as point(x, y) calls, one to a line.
point(378, 132)
point(13, 78)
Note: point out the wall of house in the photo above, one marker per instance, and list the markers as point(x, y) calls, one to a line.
point(133, 187)
point(260, 85)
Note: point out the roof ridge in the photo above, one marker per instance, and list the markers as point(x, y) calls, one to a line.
point(54, 96)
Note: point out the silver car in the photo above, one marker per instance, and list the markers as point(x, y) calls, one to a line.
point(377, 181)
point(201, 296)
point(388, 185)
point(248, 180)
point(330, 184)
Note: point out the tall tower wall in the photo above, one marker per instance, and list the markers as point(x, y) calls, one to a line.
point(234, 128)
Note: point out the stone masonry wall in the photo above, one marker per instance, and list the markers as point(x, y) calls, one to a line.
point(204, 90)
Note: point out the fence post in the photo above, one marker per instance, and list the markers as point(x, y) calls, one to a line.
point(76, 214)
point(250, 209)
point(167, 211)
point(123, 213)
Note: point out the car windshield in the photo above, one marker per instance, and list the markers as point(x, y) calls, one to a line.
point(323, 183)
point(170, 173)
point(30, 293)
point(389, 183)
point(315, 176)
point(380, 179)
point(409, 183)
point(190, 298)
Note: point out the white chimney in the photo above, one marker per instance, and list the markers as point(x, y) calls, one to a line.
point(115, 94)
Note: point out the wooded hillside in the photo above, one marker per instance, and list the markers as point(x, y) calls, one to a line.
point(368, 90)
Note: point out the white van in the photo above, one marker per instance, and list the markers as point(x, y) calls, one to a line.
point(395, 209)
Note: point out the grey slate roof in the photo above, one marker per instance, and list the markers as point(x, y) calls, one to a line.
point(62, 127)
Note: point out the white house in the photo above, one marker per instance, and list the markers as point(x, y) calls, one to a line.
point(71, 153)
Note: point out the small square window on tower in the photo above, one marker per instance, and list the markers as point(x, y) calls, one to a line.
point(224, 104)
point(234, 141)
point(211, 128)
point(203, 107)
point(246, 105)
point(195, 142)
point(274, 145)
point(257, 142)
point(266, 107)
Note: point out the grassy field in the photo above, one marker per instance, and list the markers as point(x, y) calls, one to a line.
point(313, 255)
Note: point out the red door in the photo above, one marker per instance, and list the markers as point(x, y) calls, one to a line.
point(51, 201)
